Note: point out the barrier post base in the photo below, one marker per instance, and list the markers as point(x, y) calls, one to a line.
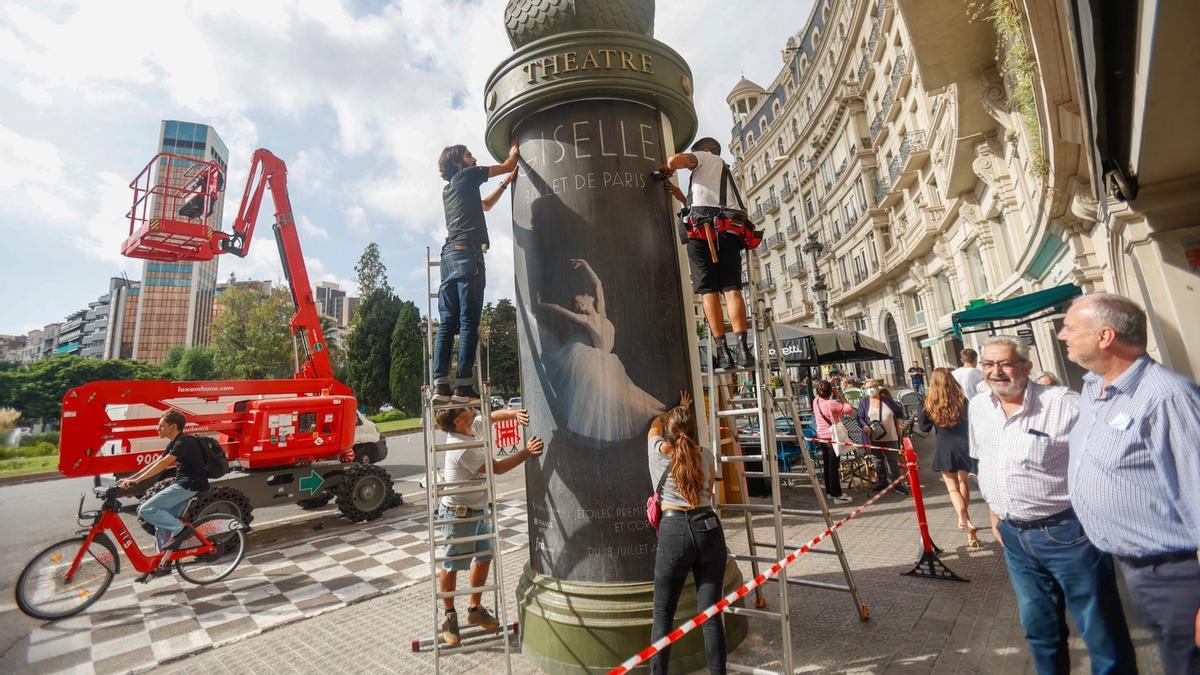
point(931, 566)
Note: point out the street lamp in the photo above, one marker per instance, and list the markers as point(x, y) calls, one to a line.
point(820, 290)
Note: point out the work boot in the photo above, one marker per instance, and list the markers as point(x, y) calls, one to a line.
point(724, 358)
point(744, 356)
point(450, 628)
point(441, 393)
point(464, 393)
point(480, 616)
point(177, 542)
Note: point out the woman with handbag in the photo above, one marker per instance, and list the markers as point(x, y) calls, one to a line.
point(690, 538)
point(828, 413)
point(881, 419)
point(946, 408)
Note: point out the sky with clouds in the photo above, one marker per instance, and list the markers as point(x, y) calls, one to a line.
point(357, 97)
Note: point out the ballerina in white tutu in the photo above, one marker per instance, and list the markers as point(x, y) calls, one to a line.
point(592, 393)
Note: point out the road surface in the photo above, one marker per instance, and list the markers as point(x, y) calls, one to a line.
point(39, 514)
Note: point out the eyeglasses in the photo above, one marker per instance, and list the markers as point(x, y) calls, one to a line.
point(1004, 365)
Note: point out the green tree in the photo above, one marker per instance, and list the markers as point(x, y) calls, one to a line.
point(251, 340)
point(191, 363)
point(372, 274)
point(503, 356)
point(368, 348)
point(408, 359)
point(38, 389)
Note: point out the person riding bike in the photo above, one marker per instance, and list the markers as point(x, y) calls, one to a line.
point(184, 453)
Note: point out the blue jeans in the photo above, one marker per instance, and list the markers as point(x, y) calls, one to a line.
point(460, 303)
point(162, 511)
point(481, 548)
point(1054, 568)
point(1167, 597)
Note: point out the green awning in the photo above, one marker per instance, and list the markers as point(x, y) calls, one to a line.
point(1021, 309)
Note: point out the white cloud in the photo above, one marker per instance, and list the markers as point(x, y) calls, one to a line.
point(308, 230)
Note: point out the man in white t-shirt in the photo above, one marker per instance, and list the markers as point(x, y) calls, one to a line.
point(712, 279)
point(969, 376)
point(462, 425)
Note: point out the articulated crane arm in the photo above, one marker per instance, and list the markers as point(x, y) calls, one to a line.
point(268, 171)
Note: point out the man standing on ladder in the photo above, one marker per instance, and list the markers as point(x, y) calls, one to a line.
point(714, 246)
point(460, 296)
point(462, 425)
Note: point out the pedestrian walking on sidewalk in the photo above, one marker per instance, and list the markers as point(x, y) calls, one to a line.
point(1135, 469)
point(460, 295)
point(690, 538)
point(1019, 435)
point(829, 413)
point(881, 419)
point(462, 425)
point(946, 408)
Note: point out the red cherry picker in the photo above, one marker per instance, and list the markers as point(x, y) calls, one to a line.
point(288, 441)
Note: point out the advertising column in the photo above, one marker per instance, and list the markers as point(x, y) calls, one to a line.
point(595, 104)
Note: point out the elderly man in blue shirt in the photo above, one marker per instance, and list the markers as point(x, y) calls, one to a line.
point(1134, 475)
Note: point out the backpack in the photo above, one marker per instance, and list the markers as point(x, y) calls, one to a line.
point(216, 462)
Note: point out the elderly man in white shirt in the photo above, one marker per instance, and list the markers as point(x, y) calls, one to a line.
point(1019, 433)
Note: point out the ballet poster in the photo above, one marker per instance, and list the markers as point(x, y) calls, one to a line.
point(601, 319)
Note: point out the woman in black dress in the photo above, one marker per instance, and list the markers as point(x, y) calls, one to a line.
point(946, 408)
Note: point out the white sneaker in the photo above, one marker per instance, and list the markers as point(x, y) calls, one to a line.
point(843, 499)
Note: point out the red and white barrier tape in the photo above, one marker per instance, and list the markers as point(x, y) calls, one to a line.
point(690, 625)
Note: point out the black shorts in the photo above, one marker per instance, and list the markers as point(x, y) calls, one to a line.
point(716, 277)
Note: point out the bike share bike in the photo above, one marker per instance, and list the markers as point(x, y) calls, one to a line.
point(68, 577)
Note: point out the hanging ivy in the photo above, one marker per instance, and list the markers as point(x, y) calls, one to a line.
point(1017, 66)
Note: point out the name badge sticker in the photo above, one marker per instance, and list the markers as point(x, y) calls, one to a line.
point(1121, 422)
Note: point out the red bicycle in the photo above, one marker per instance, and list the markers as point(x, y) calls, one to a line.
point(67, 577)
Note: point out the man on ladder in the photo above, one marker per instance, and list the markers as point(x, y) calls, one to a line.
point(460, 295)
point(463, 425)
point(715, 235)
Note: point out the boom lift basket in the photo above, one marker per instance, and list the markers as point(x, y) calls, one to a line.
point(174, 198)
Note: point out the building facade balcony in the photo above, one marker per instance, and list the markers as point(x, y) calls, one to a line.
point(771, 205)
point(795, 270)
point(788, 192)
point(767, 284)
point(793, 231)
point(775, 240)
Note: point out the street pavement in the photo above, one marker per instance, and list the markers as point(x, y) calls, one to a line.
point(335, 597)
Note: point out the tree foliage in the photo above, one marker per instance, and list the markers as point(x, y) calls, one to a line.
point(251, 340)
point(372, 274)
point(369, 348)
point(190, 364)
point(502, 355)
point(38, 389)
point(408, 359)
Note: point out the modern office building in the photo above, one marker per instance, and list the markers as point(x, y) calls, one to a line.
point(333, 302)
point(905, 166)
point(175, 306)
point(263, 288)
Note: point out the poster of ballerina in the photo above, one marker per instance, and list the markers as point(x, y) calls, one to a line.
point(601, 318)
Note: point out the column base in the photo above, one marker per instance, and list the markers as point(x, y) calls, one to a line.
point(572, 628)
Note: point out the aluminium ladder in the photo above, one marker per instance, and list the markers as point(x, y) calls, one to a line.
point(473, 638)
point(726, 405)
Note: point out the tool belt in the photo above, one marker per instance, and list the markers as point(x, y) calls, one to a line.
point(723, 219)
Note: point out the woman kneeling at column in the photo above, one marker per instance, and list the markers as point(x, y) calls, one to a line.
point(690, 538)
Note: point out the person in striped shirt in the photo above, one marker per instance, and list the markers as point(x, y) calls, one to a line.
point(1018, 432)
point(1134, 474)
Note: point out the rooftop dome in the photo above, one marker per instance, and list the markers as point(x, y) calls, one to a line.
point(742, 88)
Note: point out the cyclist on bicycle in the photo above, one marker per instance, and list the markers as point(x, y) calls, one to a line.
point(186, 455)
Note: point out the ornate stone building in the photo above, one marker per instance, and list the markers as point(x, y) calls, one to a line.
point(928, 157)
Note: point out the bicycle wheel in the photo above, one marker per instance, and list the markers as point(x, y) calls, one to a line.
point(226, 534)
point(42, 589)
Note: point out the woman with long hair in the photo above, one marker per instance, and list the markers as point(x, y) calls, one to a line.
point(946, 408)
point(829, 412)
point(880, 408)
point(690, 538)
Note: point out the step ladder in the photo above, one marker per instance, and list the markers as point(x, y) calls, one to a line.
point(473, 638)
point(727, 406)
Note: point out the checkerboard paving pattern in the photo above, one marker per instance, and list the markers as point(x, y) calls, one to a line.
point(137, 626)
